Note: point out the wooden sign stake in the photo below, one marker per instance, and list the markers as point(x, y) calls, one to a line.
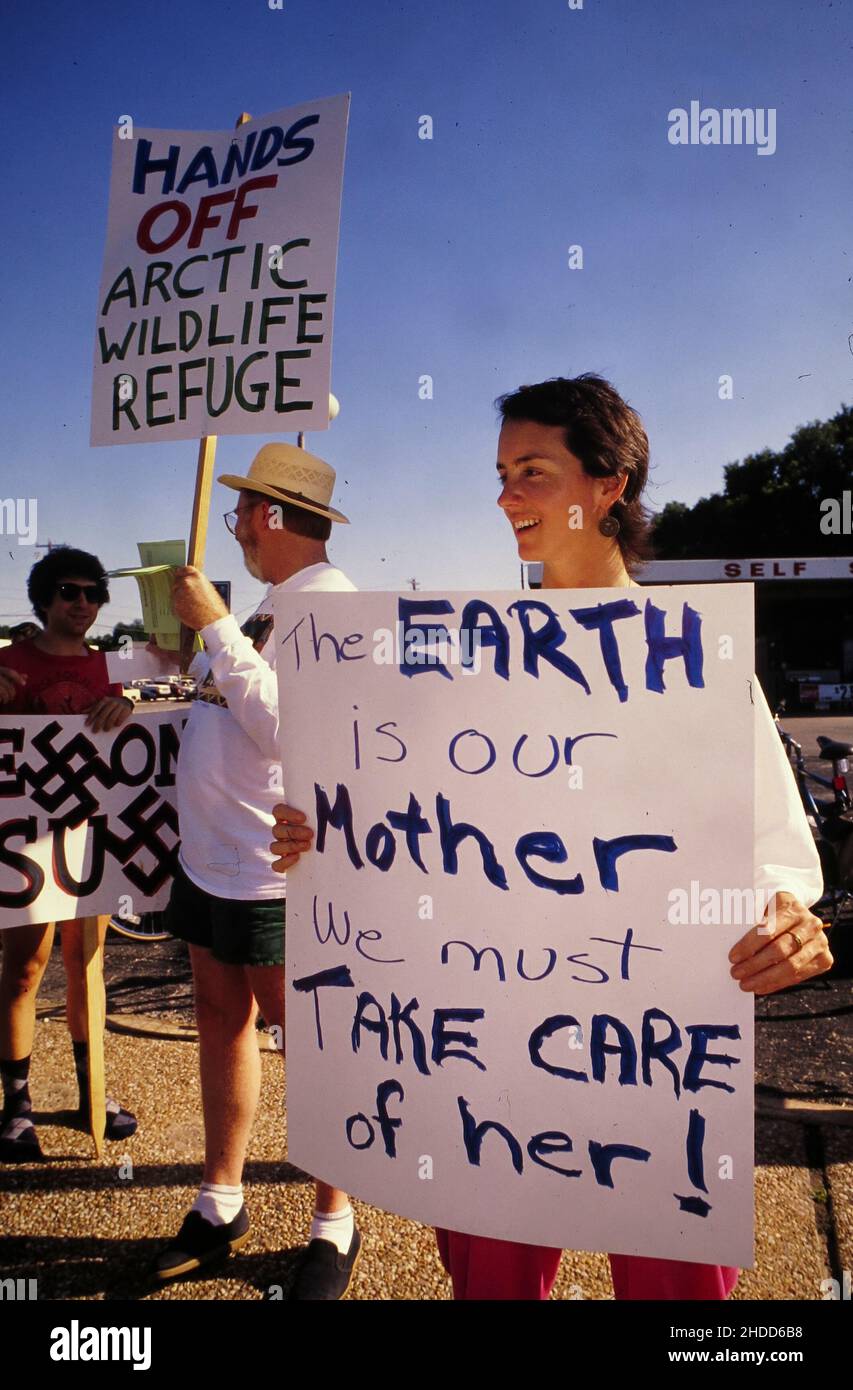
point(201, 500)
point(93, 962)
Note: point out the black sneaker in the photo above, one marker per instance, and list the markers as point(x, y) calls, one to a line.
point(324, 1272)
point(20, 1143)
point(199, 1242)
point(120, 1124)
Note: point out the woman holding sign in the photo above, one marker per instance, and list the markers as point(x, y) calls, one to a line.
point(572, 465)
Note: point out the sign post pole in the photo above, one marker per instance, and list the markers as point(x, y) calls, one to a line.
point(93, 963)
point(201, 500)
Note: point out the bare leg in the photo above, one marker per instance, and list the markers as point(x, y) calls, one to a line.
point(267, 983)
point(26, 951)
point(228, 1061)
point(329, 1199)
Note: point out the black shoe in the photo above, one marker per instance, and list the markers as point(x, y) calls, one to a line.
point(199, 1242)
point(324, 1272)
point(20, 1144)
point(120, 1124)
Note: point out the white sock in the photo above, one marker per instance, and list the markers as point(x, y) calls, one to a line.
point(336, 1226)
point(218, 1203)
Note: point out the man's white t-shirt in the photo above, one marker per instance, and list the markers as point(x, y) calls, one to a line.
point(229, 773)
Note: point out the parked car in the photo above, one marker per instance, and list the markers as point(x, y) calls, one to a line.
point(156, 690)
point(182, 687)
point(131, 692)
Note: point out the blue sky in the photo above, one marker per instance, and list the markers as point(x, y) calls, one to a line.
point(550, 129)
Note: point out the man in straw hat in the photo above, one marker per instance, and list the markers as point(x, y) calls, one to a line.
point(226, 902)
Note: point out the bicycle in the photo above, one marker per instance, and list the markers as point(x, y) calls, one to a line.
point(147, 927)
point(831, 823)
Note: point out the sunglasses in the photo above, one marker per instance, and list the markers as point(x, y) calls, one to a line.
point(93, 593)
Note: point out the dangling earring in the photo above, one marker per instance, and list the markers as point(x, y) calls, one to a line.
point(609, 525)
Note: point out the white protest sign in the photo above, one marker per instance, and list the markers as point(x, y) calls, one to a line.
point(493, 1023)
point(88, 822)
point(217, 291)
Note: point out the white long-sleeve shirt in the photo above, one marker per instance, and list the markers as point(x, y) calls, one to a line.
point(229, 772)
point(785, 854)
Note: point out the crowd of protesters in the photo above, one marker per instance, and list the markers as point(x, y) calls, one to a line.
point(564, 444)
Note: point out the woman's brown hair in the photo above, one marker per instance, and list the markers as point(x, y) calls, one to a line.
point(605, 433)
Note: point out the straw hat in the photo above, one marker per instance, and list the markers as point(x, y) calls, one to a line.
point(289, 474)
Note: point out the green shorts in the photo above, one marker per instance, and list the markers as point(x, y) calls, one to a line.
point(235, 931)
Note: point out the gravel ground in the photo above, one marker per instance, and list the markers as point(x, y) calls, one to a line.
point(839, 1171)
point(88, 1229)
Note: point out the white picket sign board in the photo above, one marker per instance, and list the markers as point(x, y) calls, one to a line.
point(88, 822)
point(217, 290)
point(589, 1020)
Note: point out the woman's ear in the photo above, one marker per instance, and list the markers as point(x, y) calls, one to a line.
point(614, 487)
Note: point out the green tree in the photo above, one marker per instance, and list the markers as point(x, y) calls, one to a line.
point(770, 503)
point(134, 630)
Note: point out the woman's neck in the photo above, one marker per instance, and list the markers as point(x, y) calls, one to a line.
point(606, 570)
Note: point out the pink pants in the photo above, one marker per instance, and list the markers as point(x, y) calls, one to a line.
point(482, 1268)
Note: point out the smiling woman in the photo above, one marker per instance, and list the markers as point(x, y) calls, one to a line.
point(573, 450)
point(573, 460)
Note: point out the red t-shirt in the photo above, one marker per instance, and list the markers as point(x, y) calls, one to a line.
point(56, 684)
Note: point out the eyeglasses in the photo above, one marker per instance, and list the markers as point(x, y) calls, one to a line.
point(230, 518)
point(93, 593)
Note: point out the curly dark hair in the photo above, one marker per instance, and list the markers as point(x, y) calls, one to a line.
point(605, 433)
point(63, 561)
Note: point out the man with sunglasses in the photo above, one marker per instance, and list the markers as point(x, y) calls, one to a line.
point(53, 672)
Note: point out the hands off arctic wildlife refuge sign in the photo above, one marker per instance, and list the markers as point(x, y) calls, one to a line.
point(497, 1022)
point(88, 822)
point(216, 301)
